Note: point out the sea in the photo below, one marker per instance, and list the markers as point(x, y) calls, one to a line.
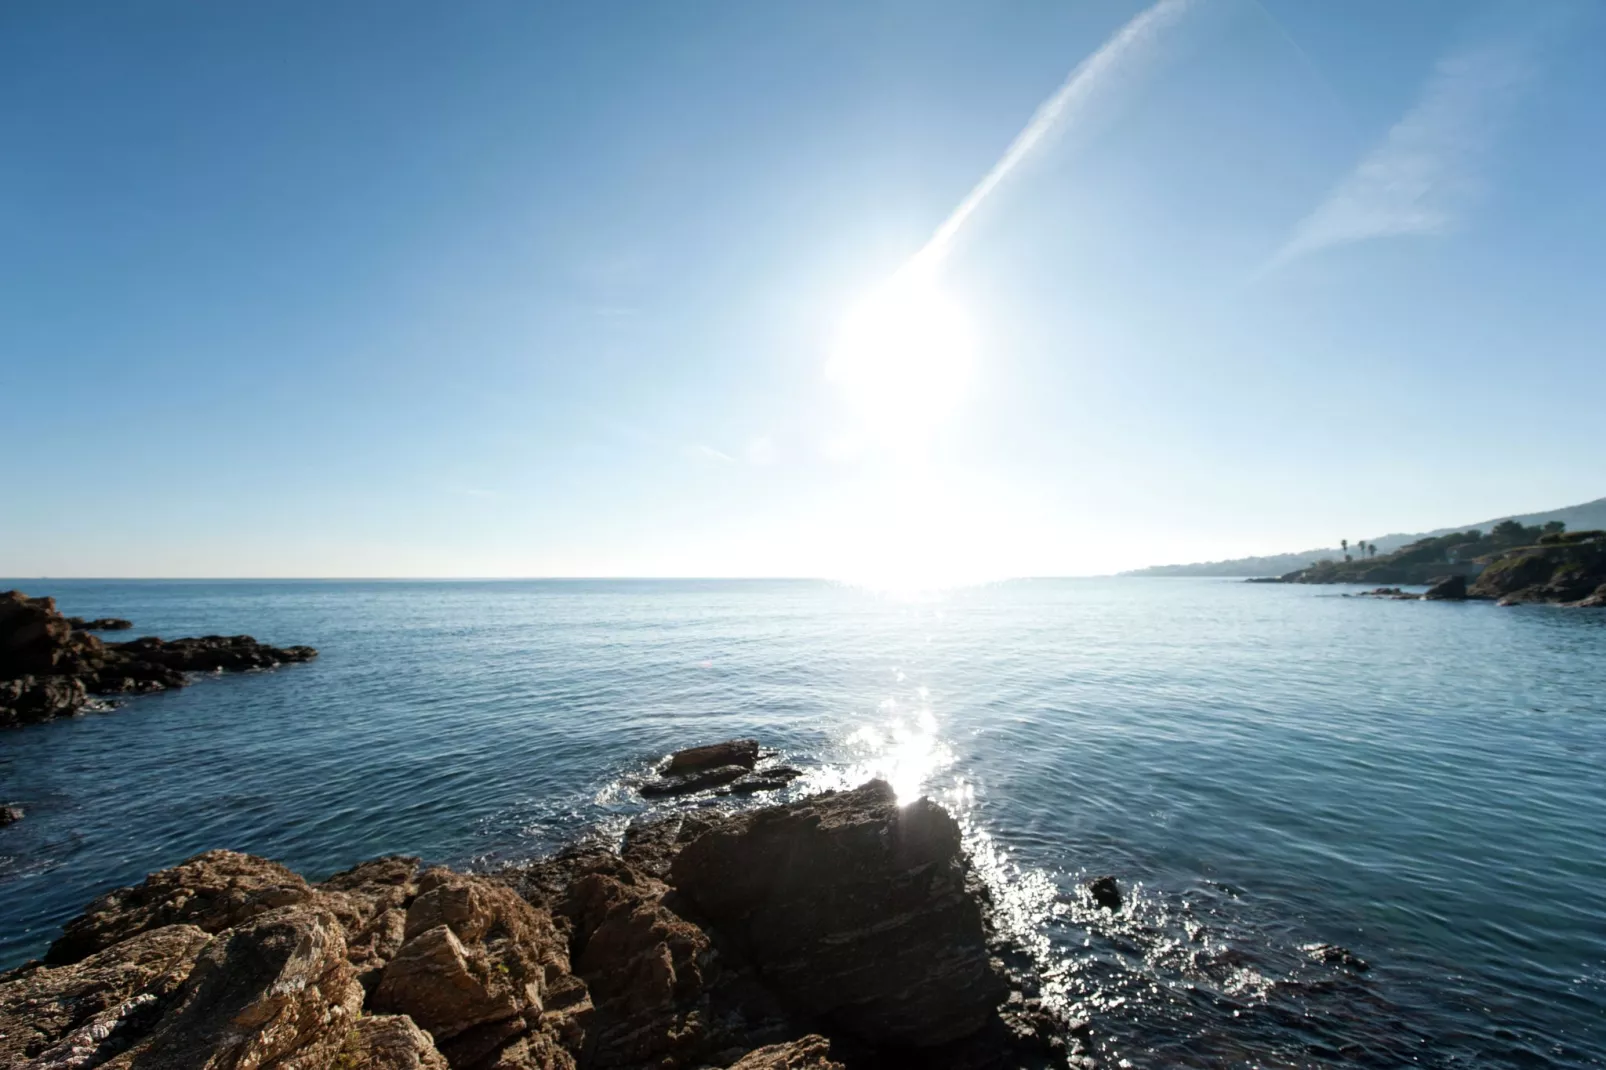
point(1264, 769)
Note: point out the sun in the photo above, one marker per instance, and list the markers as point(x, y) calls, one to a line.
point(903, 358)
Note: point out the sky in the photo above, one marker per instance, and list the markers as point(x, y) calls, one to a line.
point(893, 292)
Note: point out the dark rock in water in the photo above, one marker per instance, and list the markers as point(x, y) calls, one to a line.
point(742, 752)
point(1334, 955)
point(1449, 589)
point(48, 669)
point(701, 780)
point(31, 699)
point(100, 624)
point(10, 815)
point(1265, 579)
point(856, 911)
point(1389, 592)
point(1105, 893)
point(762, 780)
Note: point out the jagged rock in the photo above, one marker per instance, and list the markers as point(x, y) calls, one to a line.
point(389, 1042)
point(98, 1006)
point(10, 815)
point(642, 964)
point(742, 752)
point(371, 902)
point(1449, 589)
point(854, 910)
point(473, 953)
point(812, 1052)
point(213, 891)
point(650, 844)
point(1105, 893)
point(33, 636)
point(275, 991)
point(100, 624)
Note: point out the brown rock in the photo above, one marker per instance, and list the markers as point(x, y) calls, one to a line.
point(813, 1052)
point(474, 954)
point(213, 891)
point(389, 1042)
point(854, 910)
point(275, 991)
point(10, 815)
point(643, 965)
point(92, 1009)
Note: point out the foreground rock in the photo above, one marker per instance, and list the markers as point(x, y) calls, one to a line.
point(10, 815)
point(49, 668)
point(839, 930)
point(855, 910)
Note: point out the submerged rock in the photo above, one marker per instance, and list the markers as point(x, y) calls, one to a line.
point(1105, 893)
point(100, 624)
point(49, 667)
point(10, 815)
point(1333, 955)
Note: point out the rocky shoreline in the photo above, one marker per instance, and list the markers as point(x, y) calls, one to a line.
point(51, 666)
point(841, 930)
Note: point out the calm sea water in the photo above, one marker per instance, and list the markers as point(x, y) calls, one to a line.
point(1263, 767)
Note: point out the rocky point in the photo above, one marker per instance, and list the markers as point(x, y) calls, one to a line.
point(838, 931)
point(51, 666)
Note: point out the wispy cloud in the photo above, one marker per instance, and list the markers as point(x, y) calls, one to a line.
point(1131, 44)
point(1428, 169)
point(702, 449)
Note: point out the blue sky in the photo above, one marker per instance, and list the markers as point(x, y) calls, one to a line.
point(499, 289)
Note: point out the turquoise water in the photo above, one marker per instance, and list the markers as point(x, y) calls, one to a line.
point(1263, 767)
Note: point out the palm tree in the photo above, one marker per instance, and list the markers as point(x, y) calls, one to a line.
point(1344, 545)
point(1371, 551)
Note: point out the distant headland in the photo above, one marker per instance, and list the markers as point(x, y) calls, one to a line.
point(1574, 518)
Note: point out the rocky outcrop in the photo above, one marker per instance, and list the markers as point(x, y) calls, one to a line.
point(1559, 573)
point(855, 910)
point(49, 667)
point(1449, 589)
point(728, 768)
point(765, 940)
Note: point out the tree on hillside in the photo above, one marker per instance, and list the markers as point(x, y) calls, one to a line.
point(1343, 544)
point(1554, 527)
point(1371, 550)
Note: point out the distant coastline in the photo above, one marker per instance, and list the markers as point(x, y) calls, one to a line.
point(1587, 516)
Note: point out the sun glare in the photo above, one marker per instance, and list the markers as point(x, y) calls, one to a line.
point(903, 358)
